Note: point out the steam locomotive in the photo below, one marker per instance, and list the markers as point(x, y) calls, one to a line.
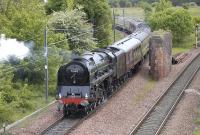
point(86, 81)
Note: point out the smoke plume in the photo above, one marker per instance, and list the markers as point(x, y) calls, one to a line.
point(12, 47)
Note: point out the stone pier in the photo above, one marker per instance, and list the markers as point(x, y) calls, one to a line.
point(160, 56)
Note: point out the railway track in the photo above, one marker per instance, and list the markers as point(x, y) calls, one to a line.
point(64, 126)
point(154, 120)
point(61, 127)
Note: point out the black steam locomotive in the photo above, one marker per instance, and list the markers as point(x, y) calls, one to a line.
point(87, 80)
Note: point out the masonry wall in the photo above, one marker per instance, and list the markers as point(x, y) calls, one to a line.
point(160, 59)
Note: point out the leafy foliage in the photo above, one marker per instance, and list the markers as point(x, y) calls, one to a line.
point(146, 6)
point(59, 5)
point(162, 5)
point(86, 21)
point(23, 19)
point(4, 115)
point(178, 21)
point(196, 20)
point(72, 23)
point(99, 14)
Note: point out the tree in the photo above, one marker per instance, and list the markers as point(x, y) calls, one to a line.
point(59, 5)
point(23, 20)
point(178, 21)
point(99, 14)
point(163, 5)
point(78, 33)
point(196, 20)
point(146, 6)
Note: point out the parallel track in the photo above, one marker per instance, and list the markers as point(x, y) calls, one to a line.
point(156, 117)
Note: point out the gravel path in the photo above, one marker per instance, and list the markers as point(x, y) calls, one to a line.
point(182, 120)
point(129, 104)
point(35, 124)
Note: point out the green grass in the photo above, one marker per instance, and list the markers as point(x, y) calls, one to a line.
point(37, 103)
point(139, 12)
point(196, 132)
point(197, 122)
point(150, 84)
point(194, 11)
point(176, 50)
point(185, 45)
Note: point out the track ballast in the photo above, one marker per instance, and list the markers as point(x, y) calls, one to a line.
point(155, 118)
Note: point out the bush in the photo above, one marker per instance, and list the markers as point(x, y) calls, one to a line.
point(5, 113)
point(185, 6)
point(23, 98)
point(129, 4)
point(154, 4)
point(178, 21)
point(146, 6)
point(193, 4)
point(163, 5)
point(8, 96)
point(75, 23)
point(196, 20)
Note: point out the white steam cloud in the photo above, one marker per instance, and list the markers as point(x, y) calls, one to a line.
point(12, 47)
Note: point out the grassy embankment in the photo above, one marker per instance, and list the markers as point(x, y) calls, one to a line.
point(38, 102)
point(181, 47)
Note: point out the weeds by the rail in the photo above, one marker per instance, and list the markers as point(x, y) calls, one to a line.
point(197, 122)
point(146, 89)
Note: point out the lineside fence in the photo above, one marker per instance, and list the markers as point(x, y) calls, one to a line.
point(197, 35)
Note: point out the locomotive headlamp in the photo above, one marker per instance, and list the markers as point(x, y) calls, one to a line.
point(73, 95)
point(86, 96)
point(59, 95)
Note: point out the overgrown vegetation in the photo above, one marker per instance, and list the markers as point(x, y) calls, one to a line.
point(98, 14)
point(178, 20)
point(71, 23)
point(83, 25)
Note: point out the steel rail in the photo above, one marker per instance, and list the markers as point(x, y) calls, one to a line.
point(51, 126)
point(155, 129)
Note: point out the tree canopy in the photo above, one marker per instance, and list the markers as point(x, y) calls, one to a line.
point(76, 30)
point(22, 19)
point(98, 13)
point(178, 20)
